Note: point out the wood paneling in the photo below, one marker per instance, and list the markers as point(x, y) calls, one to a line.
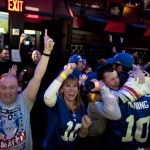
point(85, 37)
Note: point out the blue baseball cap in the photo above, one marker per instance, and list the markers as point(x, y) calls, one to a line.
point(124, 59)
point(76, 58)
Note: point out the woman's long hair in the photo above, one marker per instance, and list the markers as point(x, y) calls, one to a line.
point(74, 79)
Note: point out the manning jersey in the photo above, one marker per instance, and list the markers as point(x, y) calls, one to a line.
point(132, 130)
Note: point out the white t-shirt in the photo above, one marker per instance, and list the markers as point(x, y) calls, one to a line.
point(15, 130)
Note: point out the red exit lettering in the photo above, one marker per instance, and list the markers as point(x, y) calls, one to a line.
point(15, 5)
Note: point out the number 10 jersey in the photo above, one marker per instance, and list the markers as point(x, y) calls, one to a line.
point(132, 130)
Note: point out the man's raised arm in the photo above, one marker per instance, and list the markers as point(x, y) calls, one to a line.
point(40, 70)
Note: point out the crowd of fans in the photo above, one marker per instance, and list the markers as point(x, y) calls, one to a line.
point(102, 108)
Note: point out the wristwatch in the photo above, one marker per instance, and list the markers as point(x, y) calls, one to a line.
point(103, 87)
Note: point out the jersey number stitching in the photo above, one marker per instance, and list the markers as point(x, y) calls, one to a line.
point(139, 128)
point(70, 133)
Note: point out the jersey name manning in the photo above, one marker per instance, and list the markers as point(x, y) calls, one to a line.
point(132, 130)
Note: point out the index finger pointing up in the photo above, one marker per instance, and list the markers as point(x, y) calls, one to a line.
point(45, 33)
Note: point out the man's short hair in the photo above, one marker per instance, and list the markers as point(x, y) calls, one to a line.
point(102, 70)
point(8, 75)
point(4, 48)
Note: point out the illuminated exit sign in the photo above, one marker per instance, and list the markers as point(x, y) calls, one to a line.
point(15, 5)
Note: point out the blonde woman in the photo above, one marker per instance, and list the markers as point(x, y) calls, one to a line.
point(67, 114)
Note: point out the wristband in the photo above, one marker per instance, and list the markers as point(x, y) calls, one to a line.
point(63, 75)
point(92, 96)
point(45, 54)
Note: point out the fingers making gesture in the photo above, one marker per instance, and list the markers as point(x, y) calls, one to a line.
point(23, 37)
point(48, 42)
point(13, 70)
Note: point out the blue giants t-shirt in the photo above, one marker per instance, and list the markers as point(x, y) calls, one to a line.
point(132, 130)
point(63, 127)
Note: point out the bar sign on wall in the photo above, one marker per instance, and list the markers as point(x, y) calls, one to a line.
point(15, 5)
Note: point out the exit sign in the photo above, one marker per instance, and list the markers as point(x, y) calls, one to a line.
point(15, 5)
